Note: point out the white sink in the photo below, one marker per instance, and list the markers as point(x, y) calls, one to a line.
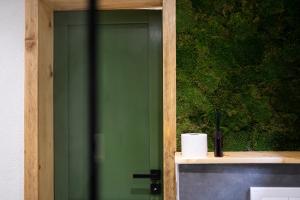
point(275, 193)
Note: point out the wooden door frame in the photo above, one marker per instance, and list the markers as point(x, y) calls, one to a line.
point(39, 168)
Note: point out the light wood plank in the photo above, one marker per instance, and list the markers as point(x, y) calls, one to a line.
point(45, 102)
point(249, 157)
point(169, 97)
point(38, 183)
point(31, 101)
point(105, 4)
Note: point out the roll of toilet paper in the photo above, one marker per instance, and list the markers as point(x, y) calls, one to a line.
point(194, 145)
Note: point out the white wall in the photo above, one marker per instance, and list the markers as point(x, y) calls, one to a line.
point(11, 99)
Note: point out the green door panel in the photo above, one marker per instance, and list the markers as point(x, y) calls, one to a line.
point(129, 108)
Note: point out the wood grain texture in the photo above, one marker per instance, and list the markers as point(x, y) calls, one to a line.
point(45, 103)
point(31, 186)
point(38, 102)
point(169, 98)
point(249, 157)
point(105, 4)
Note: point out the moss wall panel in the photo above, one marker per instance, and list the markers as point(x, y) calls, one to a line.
point(241, 57)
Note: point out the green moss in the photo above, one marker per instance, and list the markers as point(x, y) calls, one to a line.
point(241, 57)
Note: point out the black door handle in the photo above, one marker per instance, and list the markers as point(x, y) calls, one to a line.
point(155, 175)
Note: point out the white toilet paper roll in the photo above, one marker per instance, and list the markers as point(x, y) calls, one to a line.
point(194, 145)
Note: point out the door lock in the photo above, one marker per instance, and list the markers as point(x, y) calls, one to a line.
point(155, 188)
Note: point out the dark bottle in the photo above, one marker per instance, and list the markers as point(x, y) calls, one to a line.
point(218, 137)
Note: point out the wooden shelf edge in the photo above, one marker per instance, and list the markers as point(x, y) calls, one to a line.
point(248, 157)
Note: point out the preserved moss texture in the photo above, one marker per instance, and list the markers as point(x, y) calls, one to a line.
point(241, 57)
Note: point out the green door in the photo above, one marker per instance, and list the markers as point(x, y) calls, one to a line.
point(130, 104)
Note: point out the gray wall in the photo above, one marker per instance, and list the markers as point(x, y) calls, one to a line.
point(233, 182)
